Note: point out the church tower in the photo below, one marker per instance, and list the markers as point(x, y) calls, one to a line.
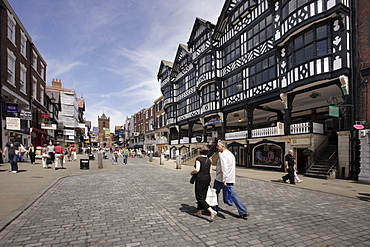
point(104, 137)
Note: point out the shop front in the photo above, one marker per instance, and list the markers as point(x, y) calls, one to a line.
point(268, 154)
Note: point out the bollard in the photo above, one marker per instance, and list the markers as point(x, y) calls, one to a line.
point(151, 157)
point(100, 161)
point(161, 160)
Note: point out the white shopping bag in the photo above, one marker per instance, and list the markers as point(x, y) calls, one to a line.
point(211, 198)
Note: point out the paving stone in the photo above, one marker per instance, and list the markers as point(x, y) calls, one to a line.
point(146, 205)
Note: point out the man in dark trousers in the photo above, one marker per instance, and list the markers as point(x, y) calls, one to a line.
point(289, 162)
point(13, 149)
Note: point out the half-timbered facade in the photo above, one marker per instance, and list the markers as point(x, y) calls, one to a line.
point(269, 76)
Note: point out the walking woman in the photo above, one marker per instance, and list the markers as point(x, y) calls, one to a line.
point(32, 153)
point(203, 179)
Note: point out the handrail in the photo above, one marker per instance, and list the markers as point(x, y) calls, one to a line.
point(314, 153)
point(328, 171)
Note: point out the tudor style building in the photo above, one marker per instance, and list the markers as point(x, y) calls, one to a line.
point(268, 77)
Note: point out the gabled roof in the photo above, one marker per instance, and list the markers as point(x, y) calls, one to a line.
point(182, 51)
point(197, 23)
point(228, 9)
point(164, 64)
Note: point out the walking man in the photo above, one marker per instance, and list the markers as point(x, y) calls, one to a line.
point(13, 148)
point(225, 175)
point(289, 164)
point(125, 154)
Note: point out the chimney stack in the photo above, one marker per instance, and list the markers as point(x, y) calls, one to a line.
point(56, 83)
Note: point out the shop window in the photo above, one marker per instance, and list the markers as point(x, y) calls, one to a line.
point(268, 154)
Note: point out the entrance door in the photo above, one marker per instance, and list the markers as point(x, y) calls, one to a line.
point(240, 154)
point(301, 161)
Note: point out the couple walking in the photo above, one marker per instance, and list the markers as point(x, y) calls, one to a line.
point(225, 175)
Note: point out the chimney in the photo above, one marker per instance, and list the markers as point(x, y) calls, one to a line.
point(56, 83)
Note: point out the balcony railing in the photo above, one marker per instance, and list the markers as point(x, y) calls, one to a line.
point(307, 127)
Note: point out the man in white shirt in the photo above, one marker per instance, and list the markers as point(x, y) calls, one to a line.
point(225, 175)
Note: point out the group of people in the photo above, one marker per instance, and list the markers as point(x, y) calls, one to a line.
point(123, 152)
point(49, 154)
point(225, 175)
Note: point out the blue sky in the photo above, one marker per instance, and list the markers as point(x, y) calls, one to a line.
point(110, 51)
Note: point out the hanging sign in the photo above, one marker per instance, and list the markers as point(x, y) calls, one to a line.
point(333, 111)
point(358, 126)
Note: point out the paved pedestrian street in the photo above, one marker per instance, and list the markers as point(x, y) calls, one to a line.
point(147, 205)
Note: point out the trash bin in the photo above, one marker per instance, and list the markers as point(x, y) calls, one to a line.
point(84, 164)
point(91, 156)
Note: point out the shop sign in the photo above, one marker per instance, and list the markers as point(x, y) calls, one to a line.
point(13, 123)
point(25, 114)
point(11, 107)
point(48, 126)
point(213, 122)
point(45, 116)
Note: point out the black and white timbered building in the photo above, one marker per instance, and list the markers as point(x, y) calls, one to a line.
point(269, 76)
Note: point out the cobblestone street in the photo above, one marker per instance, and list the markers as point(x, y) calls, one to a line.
point(146, 205)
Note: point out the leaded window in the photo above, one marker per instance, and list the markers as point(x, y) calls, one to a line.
point(231, 52)
point(309, 45)
point(209, 93)
point(233, 85)
point(205, 64)
point(182, 107)
point(291, 6)
point(263, 71)
point(194, 103)
point(260, 32)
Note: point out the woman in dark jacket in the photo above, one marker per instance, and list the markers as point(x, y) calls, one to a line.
point(203, 172)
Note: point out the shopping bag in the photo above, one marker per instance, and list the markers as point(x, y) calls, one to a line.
point(211, 197)
point(227, 193)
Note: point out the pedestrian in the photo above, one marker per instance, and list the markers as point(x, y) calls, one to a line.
point(68, 152)
point(203, 179)
point(289, 165)
point(115, 157)
point(125, 154)
point(45, 158)
point(296, 175)
point(31, 153)
point(59, 155)
point(73, 153)
point(51, 151)
point(13, 149)
point(225, 175)
point(1, 156)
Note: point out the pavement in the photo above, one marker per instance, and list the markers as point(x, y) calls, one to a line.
point(46, 207)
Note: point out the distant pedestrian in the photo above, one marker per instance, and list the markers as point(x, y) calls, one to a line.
point(1, 156)
point(296, 175)
point(32, 153)
point(59, 156)
point(289, 165)
point(225, 175)
point(203, 179)
point(125, 153)
point(45, 156)
point(51, 151)
point(13, 149)
point(73, 153)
